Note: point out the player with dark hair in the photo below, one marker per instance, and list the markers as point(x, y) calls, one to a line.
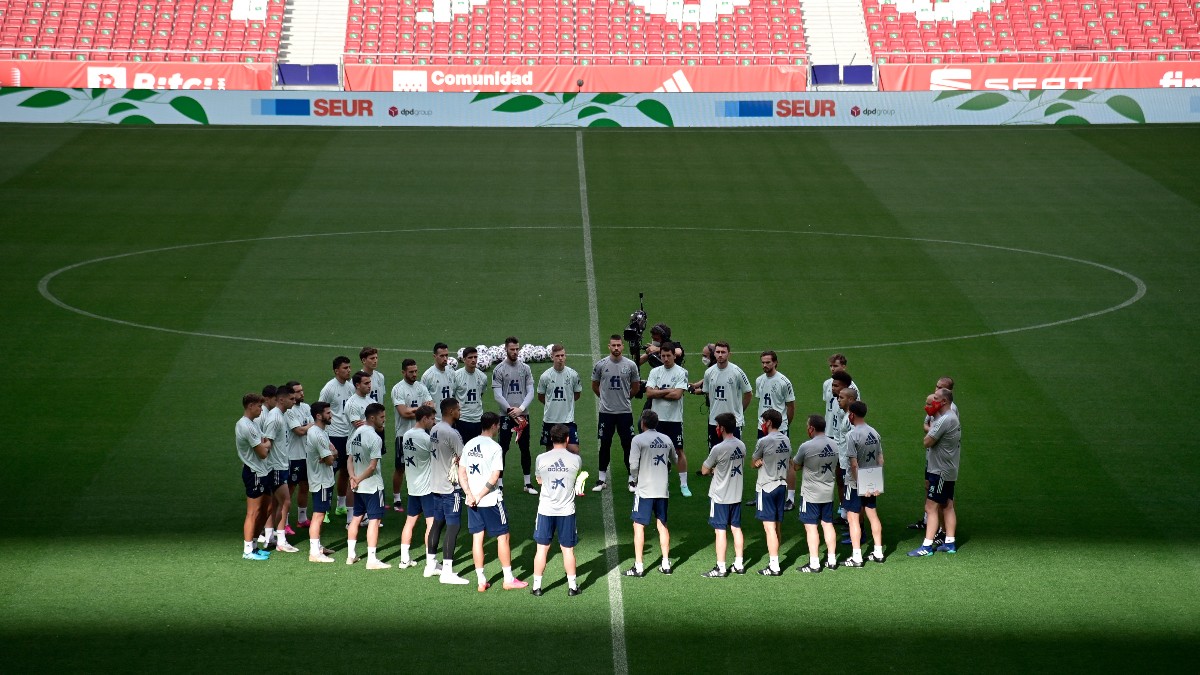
point(298, 420)
point(512, 387)
point(725, 462)
point(418, 462)
point(664, 391)
point(650, 460)
point(557, 469)
point(408, 395)
point(439, 378)
point(268, 404)
point(369, 358)
point(252, 449)
point(866, 451)
point(274, 428)
point(445, 449)
point(470, 384)
point(943, 443)
point(771, 457)
point(615, 381)
point(816, 461)
point(728, 390)
point(320, 456)
point(365, 454)
point(336, 392)
point(478, 473)
point(775, 392)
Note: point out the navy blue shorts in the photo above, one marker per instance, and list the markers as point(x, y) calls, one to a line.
point(256, 486)
point(399, 453)
point(468, 430)
point(370, 504)
point(297, 471)
point(672, 430)
point(281, 478)
point(489, 519)
point(445, 507)
point(339, 444)
point(723, 516)
point(769, 507)
point(610, 424)
point(712, 435)
point(646, 509)
point(320, 500)
point(811, 514)
point(940, 491)
point(546, 527)
point(572, 439)
point(851, 501)
point(418, 504)
point(867, 502)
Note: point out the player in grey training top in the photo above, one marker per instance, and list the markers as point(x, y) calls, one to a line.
point(838, 426)
point(650, 460)
point(470, 385)
point(439, 378)
point(615, 380)
point(728, 389)
point(512, 387)
point(665, 389)
point(369, 357)
point(772, 455)
point(366, 479)
point(320, 456)
point(556, 472)
point(558, 389)
point(418, 465)
point(942, 383)
point(944, 445)
point(298, 420)
point(725, 462)
point(407, 396)
point(866, 451)
point(252, 450)
point(445, 449)
point(276, 429)
point(816, 459)
point(336, 392)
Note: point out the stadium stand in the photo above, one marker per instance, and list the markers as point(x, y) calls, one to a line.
point(586, 32)
point(137, 30)
point(1006, 31)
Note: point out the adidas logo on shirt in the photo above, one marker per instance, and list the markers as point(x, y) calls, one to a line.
point(559, 465)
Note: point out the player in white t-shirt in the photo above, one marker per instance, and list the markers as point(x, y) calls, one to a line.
point(365, 454)
point(336, 392)
point(439, 378)
point(470, 386)
point(275, 428)
point(558, 389)
point(775, 392)
point(418, 471)
point(665, 388)
point(298, 420)
point(445, 449)
point(478, 473)
point(320, 457)
point(252, 450)
point(556, 471)
point(408, 395)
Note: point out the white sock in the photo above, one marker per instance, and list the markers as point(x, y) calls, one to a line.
point(280, 536)
point(603, 476)
point(351, 544)
point(791, 495)
point(842, 514)
point(571, 582)
point(430, 560)
point(508, 575)
point(269, 532)
point(814, 561)
point(832, 558)
point(682, 479)
point(721, 566)
point(447, 566)
point(774, 563)
point(638, 566)
point(480, 575)
point(527, 481)
point(314, 546)
point(878, 551)
point(301, 514)
point(927, 542)
point(949, 540)
point(404, 552)
point(247, 547)
point(666, 564)
point(857, 555)
point(537, 582)
point(341, 502)
point(371, 553)
point(737, 561)
point(397, 499)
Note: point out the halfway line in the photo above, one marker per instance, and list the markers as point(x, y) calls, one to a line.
point(616, 602)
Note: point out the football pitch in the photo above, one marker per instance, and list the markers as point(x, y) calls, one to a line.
point(153, 276)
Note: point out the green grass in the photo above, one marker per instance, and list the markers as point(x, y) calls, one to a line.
point(122, 509)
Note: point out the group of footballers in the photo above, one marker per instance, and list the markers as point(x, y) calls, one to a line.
point(448, 452)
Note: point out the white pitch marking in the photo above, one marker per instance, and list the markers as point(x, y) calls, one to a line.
point(616, 601)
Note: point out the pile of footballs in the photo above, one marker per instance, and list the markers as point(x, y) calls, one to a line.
point(489, 356)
